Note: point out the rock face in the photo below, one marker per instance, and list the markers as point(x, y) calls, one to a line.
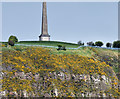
point(97, 83)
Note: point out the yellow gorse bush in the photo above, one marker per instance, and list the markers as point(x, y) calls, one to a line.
point(41, 61)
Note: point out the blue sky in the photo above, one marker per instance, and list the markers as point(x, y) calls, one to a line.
point(70, 22)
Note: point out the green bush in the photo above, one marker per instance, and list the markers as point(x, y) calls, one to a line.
point(99, 43)
point(80, 43)
point(63, 48)
point(60, 47)
point(116, 44)
point(90, 43)
point(13, 38)
point(108, 44)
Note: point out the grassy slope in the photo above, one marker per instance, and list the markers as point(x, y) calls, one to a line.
point(107, 55)
point(83, 51)
point(49, 43)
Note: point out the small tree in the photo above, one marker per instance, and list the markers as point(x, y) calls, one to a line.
point(108, 44)
point(116, 44)
point(99, 43)
point(13, 38)
point(80, 43)
point(90, 43)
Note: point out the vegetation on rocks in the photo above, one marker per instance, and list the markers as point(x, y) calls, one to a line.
point(35, 71)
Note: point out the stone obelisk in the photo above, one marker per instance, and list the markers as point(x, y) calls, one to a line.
point(44, 31)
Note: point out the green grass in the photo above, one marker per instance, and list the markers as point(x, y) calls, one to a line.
point(107, 55)
point(83, 51)
point(49, 43)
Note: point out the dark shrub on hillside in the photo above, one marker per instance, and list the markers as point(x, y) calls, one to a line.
point(90, 43)
point(11, 43)
point(116, 44)
point(108, 44)
point(99, 43)
point(60, 47)
point(80, 43)
point(63, 48)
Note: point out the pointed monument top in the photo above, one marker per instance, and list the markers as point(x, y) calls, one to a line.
point(44, 31)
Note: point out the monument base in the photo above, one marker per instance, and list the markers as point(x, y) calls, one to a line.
point(44, 38)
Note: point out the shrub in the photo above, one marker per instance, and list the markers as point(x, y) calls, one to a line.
point(11, 43)
point(80, 43)
point(90, 43)
point(99, 43)
point(13, 38)
point(116, 44)
point(63, 48)
point(108, 44)
point(59, 47)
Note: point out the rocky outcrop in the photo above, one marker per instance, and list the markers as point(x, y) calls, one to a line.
point(98, 84)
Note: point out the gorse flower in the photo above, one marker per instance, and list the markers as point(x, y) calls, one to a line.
point(37, 70)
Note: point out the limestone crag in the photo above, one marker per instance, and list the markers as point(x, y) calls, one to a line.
point(96, 82)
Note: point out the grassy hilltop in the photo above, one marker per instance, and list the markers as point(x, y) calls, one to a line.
point(45, 65)
point(49, 43)
point(107, 55)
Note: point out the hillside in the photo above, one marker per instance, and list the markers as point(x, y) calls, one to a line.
point(38, 71)
point(107, 55)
